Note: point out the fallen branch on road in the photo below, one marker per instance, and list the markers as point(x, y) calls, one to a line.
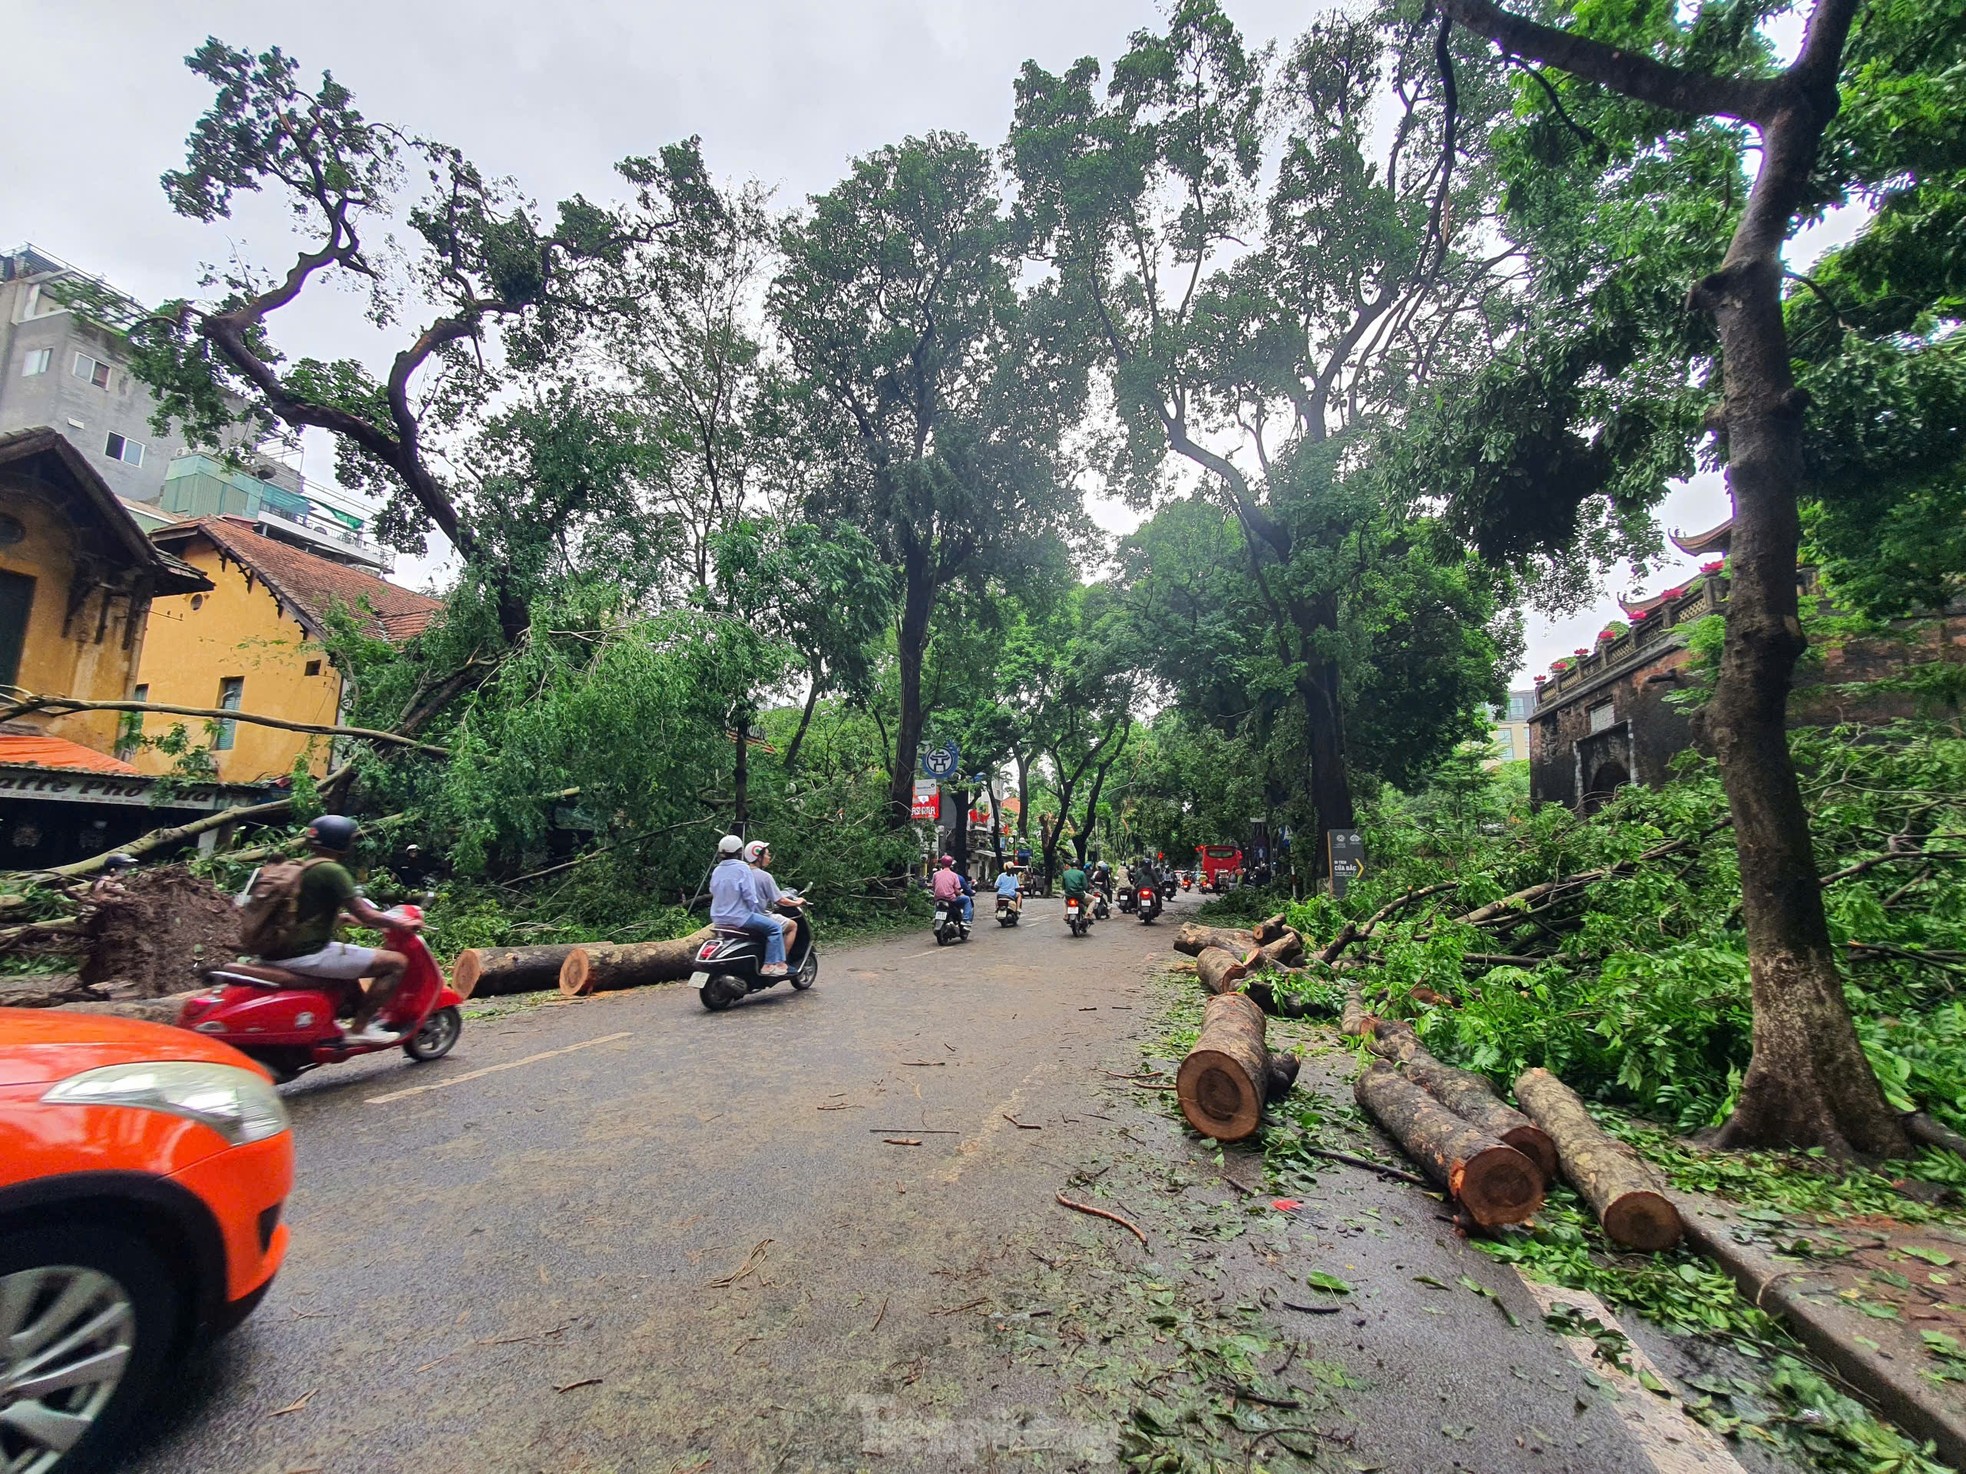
point(1126, 1223)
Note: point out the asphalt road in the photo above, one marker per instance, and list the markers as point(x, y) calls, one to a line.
point(626, 1235)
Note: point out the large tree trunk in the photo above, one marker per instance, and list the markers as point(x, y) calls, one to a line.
point(1469, 1097)
point(1808, 1082)
point(1496, 1184)
point(490, 972)
point(598, 966)
point(1230, 1074)
point(805, 723)
point(1624, 1192)
point(1331, 783)
point(958, 801)
point(740, 782)
point(1023, 797)
point(1193, 937)
point(917, 606)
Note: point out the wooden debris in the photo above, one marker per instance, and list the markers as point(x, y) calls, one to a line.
point(1193, 938)
point(493, 972)
point(1623, 1191)
point(1269, 928)
point(1469, 1097)
point(1126, 1223)
point(596, 967)
point(1355, 1018)
point(1228, 1076)
point(1494, 1183)
point(1219, 970)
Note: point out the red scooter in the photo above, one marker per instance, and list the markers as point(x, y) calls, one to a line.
point(287, 1021)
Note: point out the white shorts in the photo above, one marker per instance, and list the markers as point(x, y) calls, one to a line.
point(336, 960)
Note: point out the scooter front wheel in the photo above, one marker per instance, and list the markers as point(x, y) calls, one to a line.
point(808, 972)
point(435, 1036)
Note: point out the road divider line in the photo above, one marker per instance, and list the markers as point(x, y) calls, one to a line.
point(468, 1075)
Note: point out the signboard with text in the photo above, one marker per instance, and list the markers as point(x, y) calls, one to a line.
point(1345, 850)
point(928, 799)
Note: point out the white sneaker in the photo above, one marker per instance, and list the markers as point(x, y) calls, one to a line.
point(373, 1034)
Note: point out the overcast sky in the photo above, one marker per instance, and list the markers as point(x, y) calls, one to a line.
point(786, 92)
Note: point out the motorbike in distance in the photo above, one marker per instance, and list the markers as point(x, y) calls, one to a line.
point(1149, 903)
point(949, 924)
point(287, 1020)
point(1007, 911)
point(1076, 919)
point(728, 965)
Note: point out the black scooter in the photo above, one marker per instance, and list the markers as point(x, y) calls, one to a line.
point(1076, 920)
point(1149, 904)
point(949, 923)
point(727, 965)
point(1008, 911)
point(1129, 898)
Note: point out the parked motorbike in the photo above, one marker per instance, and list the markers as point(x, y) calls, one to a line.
point(1149, 903)
point(727, 966)
point(287, 1021)
point(949, 923)
point(1007, 911)
point(1076, 918)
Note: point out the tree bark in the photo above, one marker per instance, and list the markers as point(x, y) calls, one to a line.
point(1193, 937)
point(1808, 1082)
point(1494, 1184)
point(1268, 929)
point(805, 723)
point(1282, 950)
point(492, 972)
point(1218, 970)
point(917, 606)
point(740, 780)
point(1469, 1097)
point(1623, 1191)
point(1228, 1076)
point(598, 967)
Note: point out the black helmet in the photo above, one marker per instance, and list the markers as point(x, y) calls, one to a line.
point(120, 862)
point(333, 832)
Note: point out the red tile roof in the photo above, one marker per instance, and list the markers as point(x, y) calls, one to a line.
point(32, 750)
point(311, 585)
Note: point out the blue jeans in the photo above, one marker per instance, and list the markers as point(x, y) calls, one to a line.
point(768, 931)
point(969, 908)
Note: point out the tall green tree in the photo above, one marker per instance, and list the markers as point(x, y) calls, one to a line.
point(940, 392)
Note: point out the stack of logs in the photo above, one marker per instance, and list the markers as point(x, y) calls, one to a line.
point(1495, 1161)
point(574, 968)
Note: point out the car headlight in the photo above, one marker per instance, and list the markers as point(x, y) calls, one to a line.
point(238, 1104)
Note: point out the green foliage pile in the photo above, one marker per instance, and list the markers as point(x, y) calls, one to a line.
point(1634, 988)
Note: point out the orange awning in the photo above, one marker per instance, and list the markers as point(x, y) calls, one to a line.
point(24, 750)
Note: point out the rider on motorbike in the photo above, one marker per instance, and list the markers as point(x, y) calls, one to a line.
point(736, 905)
point(949, 887)
point(326, 892)
point(1009, 890)
point(1076, 883)
point(758, 855)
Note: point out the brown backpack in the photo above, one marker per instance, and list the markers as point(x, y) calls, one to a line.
point(270, 907)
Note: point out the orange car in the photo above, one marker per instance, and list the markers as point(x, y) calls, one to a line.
point(142, 1174)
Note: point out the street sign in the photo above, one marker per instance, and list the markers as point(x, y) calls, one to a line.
point(927, 799)
point(942, 762)
point(1346, 850)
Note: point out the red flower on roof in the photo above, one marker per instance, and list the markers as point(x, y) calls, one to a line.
point(1713, 567)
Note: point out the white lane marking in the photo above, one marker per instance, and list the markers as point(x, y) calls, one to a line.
point(531, 1059)
point(1671, 1441)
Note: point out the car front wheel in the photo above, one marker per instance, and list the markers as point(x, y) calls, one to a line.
point(88, 1317)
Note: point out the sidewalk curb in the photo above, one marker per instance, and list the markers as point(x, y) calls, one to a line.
point(1780, 1286)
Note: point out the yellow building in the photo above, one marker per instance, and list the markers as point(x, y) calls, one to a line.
point(253, 642)
point(77, 577)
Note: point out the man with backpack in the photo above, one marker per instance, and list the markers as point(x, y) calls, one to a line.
point(292, 909)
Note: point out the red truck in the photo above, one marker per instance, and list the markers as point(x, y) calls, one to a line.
point(1217, 861)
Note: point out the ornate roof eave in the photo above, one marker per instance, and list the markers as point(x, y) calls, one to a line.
point(1713, 540)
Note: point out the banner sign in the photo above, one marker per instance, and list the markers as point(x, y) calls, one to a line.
point(928, 799)
point(1346, 850)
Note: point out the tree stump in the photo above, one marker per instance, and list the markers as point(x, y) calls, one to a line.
point(1469, 1097)
point(492, 972)
point(1493, 1183)
point(1269, 928)
point(1621, 1188)
point(1230, 1073)
point(1219, 971)
point(1193, 938)
point(596, 968)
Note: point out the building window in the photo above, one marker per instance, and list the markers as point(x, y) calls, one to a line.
point(1601, 717)
point(1505, 745)
point(313, 667)
point(92, 369)
point(231, 691)
point(132, 724)
point(36, 361)
point(129, 452)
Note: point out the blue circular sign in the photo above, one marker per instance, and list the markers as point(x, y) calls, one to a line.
point(941, 762)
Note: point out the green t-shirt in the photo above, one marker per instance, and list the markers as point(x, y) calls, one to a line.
point(1074, 882)
point(325, 888)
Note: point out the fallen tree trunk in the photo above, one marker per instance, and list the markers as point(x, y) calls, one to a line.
point(1623, 1191)
point(164, 1010)
point(1494, 1183)
point(1513, 905)
point(1926, 1131)
point(492, 972)
point(1228, 1076)
point(1355, 1018)
point(43, 990)
point(598, 967)
point(1269, 928)
point(1394, 1039)
point(1219, 970)
point(1193, 938)
point(1280, 951)
point(1469, 1097)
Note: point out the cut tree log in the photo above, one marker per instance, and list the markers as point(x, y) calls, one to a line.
point(492, 972)
point(164, 1010)
point(1219, 970)
point(1355, 1018)
point(1269, 928)
point(1470, 1098)
point(1193, 938)
point(1493, 1182)
point(1230, 1073)
point(41, 990)
point(1928, 1131)
point(1280, 951)
point(598, 967)
point(1627, 1196)
point(1394, 1039)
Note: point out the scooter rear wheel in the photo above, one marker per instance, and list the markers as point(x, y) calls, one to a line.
point(436, 1036)
point(720, 992)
